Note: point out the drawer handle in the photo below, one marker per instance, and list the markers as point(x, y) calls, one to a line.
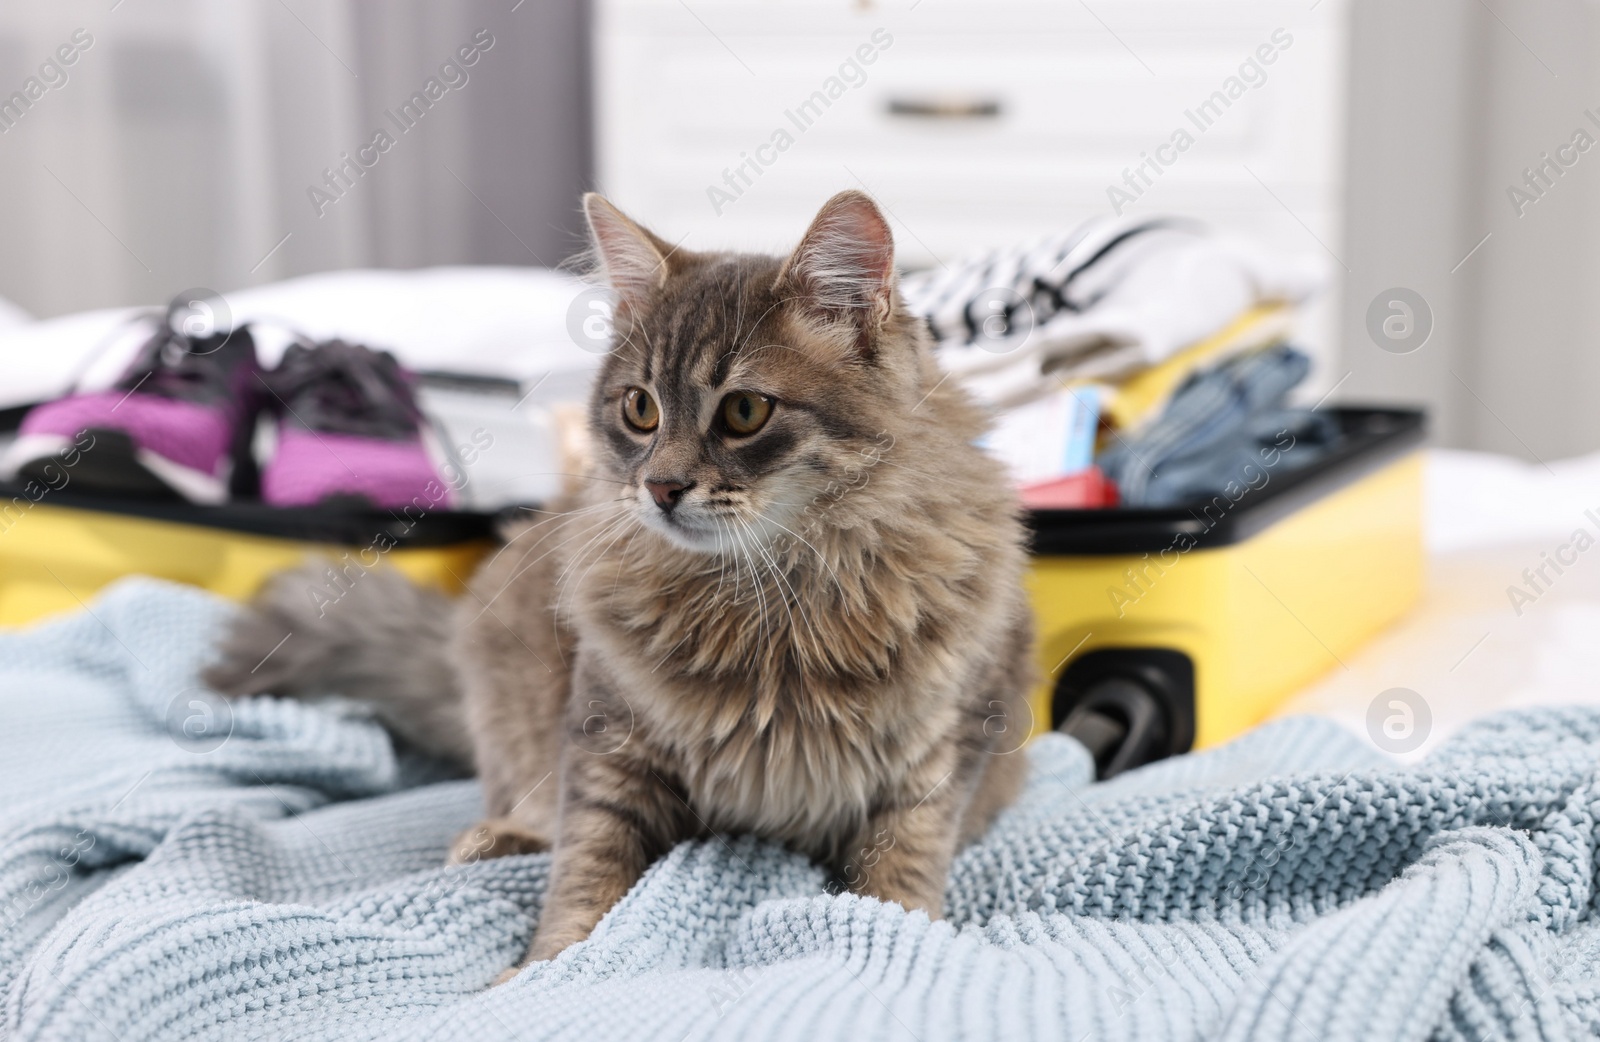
point(945, 108)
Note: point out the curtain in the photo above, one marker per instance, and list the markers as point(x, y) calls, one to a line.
point(160, 145)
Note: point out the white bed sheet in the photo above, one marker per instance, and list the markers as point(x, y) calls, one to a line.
point(508, 322)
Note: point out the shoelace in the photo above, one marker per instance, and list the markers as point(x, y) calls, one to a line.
point(174, 365)
point(346, 389)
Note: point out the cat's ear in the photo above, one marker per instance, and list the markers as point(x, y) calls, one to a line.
point(843, 270)
point(635, 261)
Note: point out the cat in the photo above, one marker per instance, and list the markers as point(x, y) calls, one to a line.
point(786, 597)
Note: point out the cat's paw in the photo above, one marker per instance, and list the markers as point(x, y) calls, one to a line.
point(496, 837)
point(506, 975)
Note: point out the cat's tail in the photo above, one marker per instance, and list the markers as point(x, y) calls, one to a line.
point(371, 636)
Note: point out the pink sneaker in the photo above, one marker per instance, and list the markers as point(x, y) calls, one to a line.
point(349, 433)
point(174, 426)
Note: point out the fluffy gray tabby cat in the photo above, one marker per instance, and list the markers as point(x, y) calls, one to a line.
point(785, 598)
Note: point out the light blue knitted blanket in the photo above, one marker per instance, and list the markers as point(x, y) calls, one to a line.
point(169, 873)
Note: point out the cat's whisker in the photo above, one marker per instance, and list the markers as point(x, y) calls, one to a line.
point(637, 354)
point(765, 695)
point(522, 568)
point(564, 590)
point(649, 344)
point(755, 326)
point(782, 584)
point(793, 594)
point(843, 599)
point(555, 515)
point(755, 582)
point(743, 559)
point(627, 341)
point(626, 519)
point(576, 560)
point(510, 581)
point(722, 560)
point(564, 518)
point(737, 542)
point(771, 347)
point(563, 474)
point(616, 581)
point(620, 340)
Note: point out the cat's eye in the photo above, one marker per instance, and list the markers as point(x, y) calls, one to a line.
point(640, 410)
point(744, 412)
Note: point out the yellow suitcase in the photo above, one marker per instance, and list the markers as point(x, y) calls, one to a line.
point(1166, 630)
point(1159, 630)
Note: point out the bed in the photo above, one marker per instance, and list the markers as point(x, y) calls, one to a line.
point(173, 865)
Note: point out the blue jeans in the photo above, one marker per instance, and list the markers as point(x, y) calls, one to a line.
point(1213, 431)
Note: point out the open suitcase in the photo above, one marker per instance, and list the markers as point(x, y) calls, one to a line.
point(1165, 630)
point(1159, 630)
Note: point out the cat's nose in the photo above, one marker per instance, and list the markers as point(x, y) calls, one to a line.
point(667, 493)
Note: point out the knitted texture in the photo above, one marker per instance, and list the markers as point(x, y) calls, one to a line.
point(173, 867)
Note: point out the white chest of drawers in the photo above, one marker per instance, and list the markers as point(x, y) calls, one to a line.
point(726, 122)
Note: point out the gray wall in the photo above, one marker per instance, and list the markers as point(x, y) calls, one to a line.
point(1450, 103)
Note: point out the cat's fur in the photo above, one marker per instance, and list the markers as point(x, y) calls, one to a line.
point(826, 642)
